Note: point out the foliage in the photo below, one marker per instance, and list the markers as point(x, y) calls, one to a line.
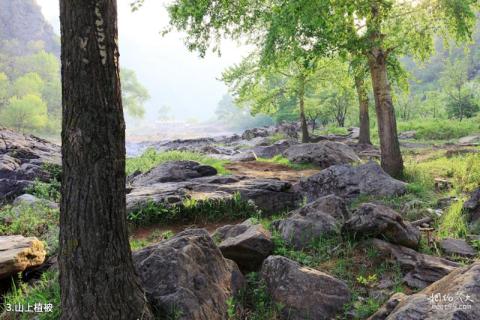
point(193, 211)
point(26, 113)
point(151, 158)
point(44, 291)
point(134, 95)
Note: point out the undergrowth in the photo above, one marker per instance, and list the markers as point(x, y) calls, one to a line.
point(193, 211)
point(45, 293)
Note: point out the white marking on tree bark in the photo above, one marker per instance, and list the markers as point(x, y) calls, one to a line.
point(100, 35)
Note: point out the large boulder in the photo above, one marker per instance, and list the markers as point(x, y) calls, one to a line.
point(453, 297)
point(173, 171)
point(322, 217)
point(250, 134)
point(22, 161)
point(303, 293)
point(18, 253)
point(349, 182)
point(187, 277)
point(372, 220)
point(269, 195)
point(420, 269)
point(272, 150)
point(323, 154)
point(247, 244)
point(457, 247)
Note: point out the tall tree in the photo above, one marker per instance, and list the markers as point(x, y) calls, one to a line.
point(97, 275)
point(381, 30)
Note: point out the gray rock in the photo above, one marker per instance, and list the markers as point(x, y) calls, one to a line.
point(371, 220)
point(303, 293)
point(407, 135)
point(188, 276)
point(269, 195)
point(22, 160)
point(272, 150)
point(420, 269)
point(325, 216)
point(249, 134)
point(32, 201)
point(247, 244)
point(244, 156)
point(349, 182)
point(473, 139)
point(323, 154)
point(453, 297)
point(173, 171)
point(457, 247)
point(354, 133)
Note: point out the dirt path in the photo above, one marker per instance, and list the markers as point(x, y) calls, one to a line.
point(268, 170)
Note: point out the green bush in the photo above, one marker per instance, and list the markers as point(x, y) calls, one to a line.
point(151, 158)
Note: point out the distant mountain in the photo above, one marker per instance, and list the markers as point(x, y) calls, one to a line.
point(22, 24)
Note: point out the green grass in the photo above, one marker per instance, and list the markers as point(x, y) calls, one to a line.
point(154, 237)
point(193, 211)
point(151, 158)
point(44, 291)
point(436, 129)
point(279, 159)
point(462, 170)
point(39, 221)
point(453, 224)
point(254, 303)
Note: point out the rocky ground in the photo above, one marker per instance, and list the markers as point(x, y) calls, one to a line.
point(260, 226)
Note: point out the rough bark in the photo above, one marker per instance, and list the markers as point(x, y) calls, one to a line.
point(301, 104)
point(364, 137)
point(392, 161)
point(97, 277)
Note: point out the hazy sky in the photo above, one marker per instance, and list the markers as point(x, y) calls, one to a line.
point(173, 75)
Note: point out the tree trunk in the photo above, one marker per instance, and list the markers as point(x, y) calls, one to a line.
point(364, 137)
point(301, 102)
point(97, 275)
point(392, 161)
